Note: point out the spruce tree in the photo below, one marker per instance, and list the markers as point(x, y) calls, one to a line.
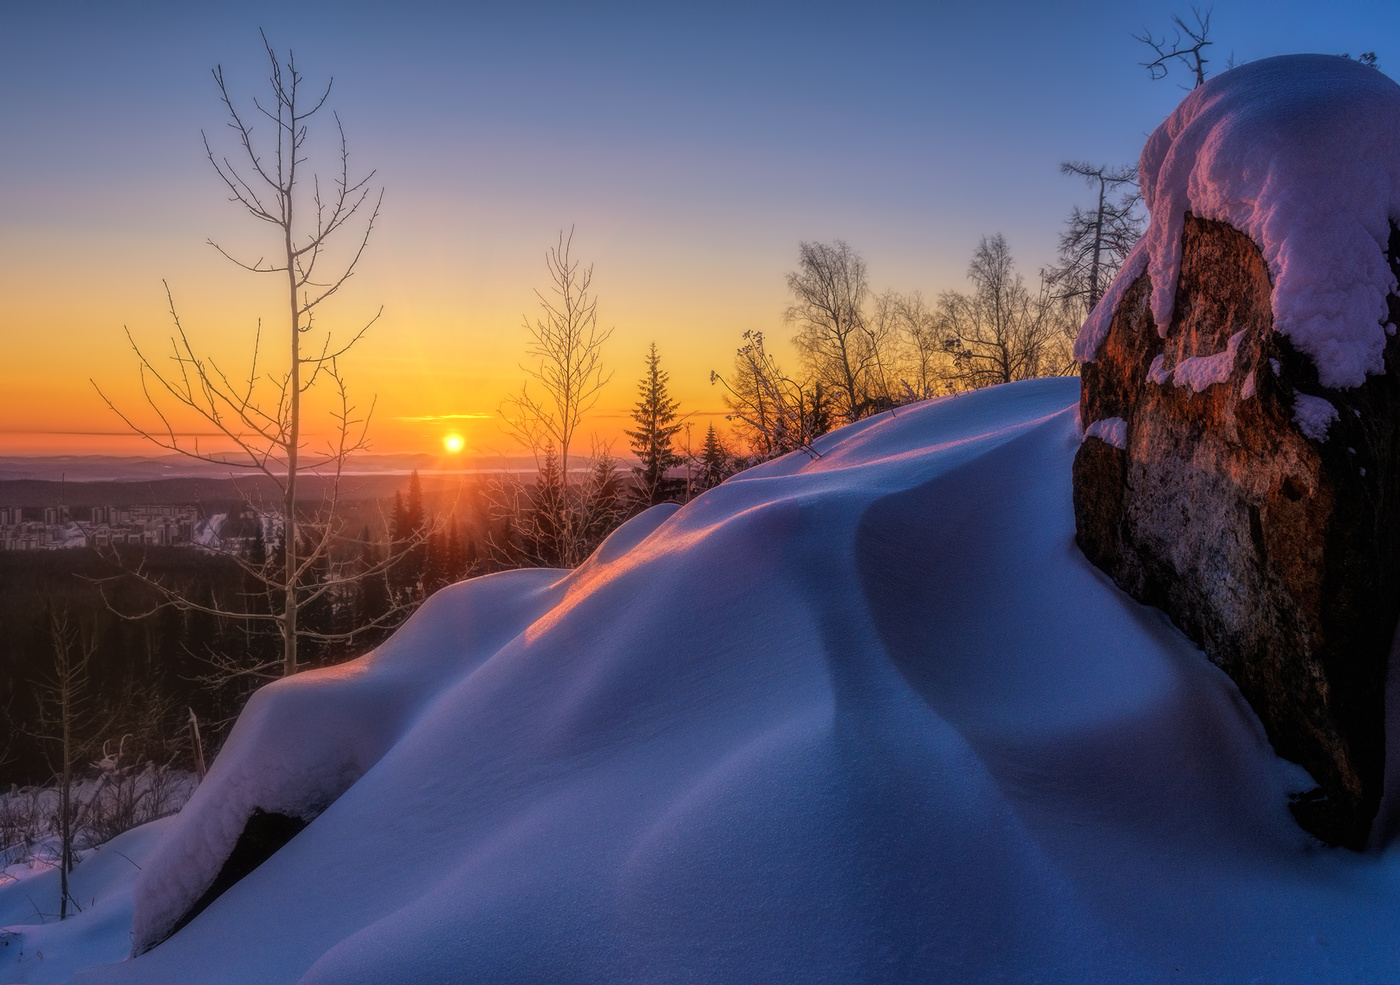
point(714, 461)
point(546, 524)
point(655, 415)
point(605, 504)
point(372, 601)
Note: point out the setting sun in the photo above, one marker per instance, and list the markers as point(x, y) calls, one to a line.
point(454, 443)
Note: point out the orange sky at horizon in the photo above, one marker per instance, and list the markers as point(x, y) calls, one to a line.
point(442, 358)
point(692, 148)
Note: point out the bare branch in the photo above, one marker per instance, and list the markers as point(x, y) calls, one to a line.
point(1191, 55)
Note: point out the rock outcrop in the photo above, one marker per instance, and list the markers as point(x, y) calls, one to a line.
point(1277, 552)
point(1241, 461)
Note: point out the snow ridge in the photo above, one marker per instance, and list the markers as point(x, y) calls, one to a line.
point(870, 715)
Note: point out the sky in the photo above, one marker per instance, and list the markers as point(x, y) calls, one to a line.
point(690, 148)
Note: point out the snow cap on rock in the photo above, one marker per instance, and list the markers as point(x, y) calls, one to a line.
point(1301, 153)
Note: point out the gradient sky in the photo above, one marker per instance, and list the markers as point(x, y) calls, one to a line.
point(691, 145)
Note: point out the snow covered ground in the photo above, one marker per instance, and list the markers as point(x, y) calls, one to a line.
point(865, 718)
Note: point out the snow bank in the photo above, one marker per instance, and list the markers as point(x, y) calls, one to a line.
point(35, 947)
point(302, 742)
point(1302, 153)
point(868, 717)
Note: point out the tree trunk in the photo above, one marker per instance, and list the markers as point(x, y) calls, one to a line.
point(289, 518)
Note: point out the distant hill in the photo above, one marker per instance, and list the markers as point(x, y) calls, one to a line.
point(84, 481)
point(118, 468)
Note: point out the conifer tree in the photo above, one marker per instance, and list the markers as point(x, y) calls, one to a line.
point(714, 461)
point(455, 560)
point(547, 522)
point(655, 415)
point(605, 498)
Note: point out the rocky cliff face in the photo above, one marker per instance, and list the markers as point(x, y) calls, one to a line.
point(1219, 480)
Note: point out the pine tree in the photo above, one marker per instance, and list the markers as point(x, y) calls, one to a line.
point(547, 522)
point(714, 461)
point(655, 415)
point(455, 559)
point(605, 504)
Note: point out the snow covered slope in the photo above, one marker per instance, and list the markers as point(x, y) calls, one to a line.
point(865, 718)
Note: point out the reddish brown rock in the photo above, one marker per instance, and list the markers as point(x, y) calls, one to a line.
point(1277, 552)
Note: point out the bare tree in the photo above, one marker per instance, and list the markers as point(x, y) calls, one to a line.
point(565, 350)
point(839, 346)
point(1096, 241)
point(67, 724)
point(319, 231)
point(771, 411)
point(1187, 45)
point(921, 364)
point(1001, 332)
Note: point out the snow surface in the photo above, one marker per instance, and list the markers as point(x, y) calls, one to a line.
point(1113, 430)
point(1302, 153)
point(1313, 415)
point(35, 947)
point(1158, 372)
point(865, 717)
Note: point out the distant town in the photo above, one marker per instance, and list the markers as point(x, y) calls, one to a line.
point(99, 526)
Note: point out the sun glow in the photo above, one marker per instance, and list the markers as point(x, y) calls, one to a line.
point(454, 443)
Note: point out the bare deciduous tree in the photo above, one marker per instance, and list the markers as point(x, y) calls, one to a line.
point(920, 363)
point(1096, 241)
point(565, 350)
point(261, 413)
point(839, 346)
point(1001, 332)
point(1191, 54)
point(68, 724)
point(771, 411)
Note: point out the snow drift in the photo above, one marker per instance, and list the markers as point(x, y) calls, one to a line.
point(868, 717)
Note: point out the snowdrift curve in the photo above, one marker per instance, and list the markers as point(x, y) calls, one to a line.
point(869, 717)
